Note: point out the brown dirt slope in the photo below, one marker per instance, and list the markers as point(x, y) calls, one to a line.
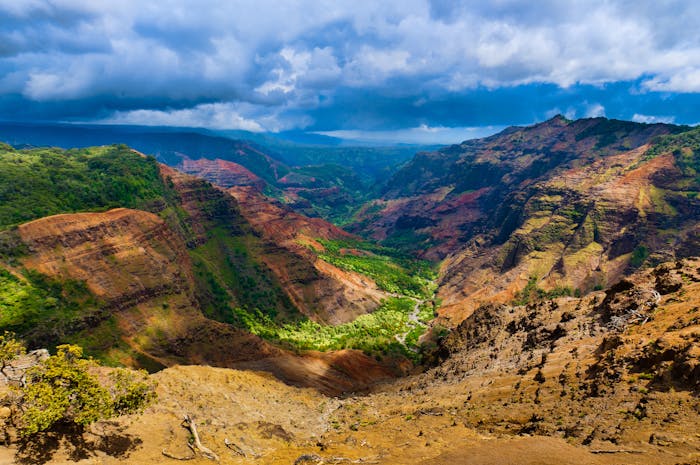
point(324, 292)
point(611, 378)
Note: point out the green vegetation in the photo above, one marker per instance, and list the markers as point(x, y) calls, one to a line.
point(41, 307)
point(11, 246)
point(393, 271)
point(10, 349)
point(64, 389)
point(408, 239)
point(41, 182)
point(532, 293)
point(226, 272)
point(686, 150)
point(334, 193)
point(689, 139)
point(639, 255)
point(610, 132)
point(373, 333)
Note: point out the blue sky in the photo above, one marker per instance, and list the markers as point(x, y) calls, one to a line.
point(405, 70)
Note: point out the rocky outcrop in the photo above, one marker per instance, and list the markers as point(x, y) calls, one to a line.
point(558, 367)
point(221, 172)
point(14, 371)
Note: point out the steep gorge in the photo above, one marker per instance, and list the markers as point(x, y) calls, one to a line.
point(559, 207)
point(170, 286)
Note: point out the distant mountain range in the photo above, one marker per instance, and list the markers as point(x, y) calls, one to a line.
point(319, 179)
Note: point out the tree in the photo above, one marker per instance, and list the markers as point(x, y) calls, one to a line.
point(65, 389)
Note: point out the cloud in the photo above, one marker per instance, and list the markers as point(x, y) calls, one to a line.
point(418, 135)
point(214, 116)
point(685, 81)
point(358, 65)
point(652, 119)
point(595, 110)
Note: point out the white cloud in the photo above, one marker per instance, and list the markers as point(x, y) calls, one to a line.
point(595, 110)
point(687, 80)
point(652, 119)
point(317, 68)
point(281, 55)
point(501, 44)
point(214, 116)
point(419, 135)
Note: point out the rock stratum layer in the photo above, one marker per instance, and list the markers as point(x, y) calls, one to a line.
point(162, 287)
point(564, 206)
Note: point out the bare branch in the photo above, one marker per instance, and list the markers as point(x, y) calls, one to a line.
point(208, 453)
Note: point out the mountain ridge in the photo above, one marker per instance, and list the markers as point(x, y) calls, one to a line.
point(562, 206)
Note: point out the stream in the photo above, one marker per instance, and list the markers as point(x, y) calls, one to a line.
point(413, 321)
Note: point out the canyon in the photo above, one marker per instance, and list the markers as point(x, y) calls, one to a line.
point(553, 270)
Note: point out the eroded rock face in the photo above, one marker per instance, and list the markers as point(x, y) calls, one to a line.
point(14, 371)
point(283, 245)
point(320, 290)
point(139, 268)
point(572, 204)
point(125, 257)
point(222, 173)
point(131, 260)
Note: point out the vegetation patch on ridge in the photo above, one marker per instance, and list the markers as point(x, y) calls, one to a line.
point(43, 308)
point(392, 270)
point(374, 333)
point(532, 292)
point(41, 182)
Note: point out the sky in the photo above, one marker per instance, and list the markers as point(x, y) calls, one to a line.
point(424, 71)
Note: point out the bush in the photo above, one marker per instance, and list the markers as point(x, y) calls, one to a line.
point(65, 389)
point(10, 349)
point(639, 256)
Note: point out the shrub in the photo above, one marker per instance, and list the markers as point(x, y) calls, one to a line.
point(639, 255)
point(65, 389)
point(10, 349)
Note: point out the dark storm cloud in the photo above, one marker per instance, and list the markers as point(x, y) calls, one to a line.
point(329, 65)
